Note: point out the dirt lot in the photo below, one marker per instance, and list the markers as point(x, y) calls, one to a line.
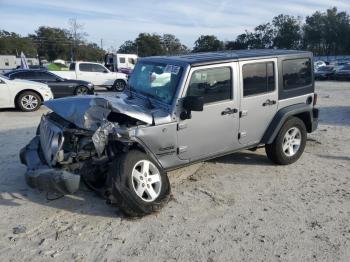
point(235, 208)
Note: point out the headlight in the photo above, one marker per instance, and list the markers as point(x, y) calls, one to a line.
point(90, 84)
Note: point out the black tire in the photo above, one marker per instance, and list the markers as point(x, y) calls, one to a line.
point(124, 190)
point(275, 150)
point(81, 90)
point(28, 106)
point(119, 85)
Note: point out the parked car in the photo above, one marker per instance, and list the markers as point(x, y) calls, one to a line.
point(204, 106)
point(25, 95)
point(60, 87)
point(343, 73)
point(324, 73)
point(319, 63)
point(95, 73)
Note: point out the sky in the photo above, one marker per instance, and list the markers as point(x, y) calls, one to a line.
point(117, 21)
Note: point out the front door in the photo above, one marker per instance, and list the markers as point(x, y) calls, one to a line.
point(5, 95)
point(215, 129)
point(259, 99)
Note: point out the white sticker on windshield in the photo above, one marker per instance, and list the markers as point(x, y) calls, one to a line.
point(172, 69)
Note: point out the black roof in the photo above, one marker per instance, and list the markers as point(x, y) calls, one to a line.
point(225, 56)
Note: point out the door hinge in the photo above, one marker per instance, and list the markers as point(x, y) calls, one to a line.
point(242, 134)
point(181, 149)
point(181, 126)
point(243, 113)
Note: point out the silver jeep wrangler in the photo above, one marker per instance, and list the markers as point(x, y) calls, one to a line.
point(176, 111)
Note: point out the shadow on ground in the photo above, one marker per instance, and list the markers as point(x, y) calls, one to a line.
point(246, 158)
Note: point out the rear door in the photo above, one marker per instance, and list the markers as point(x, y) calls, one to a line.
point(86, 73)
point(259, 98)
point(213, 130)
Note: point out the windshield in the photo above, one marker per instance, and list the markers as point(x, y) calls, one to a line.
point(156, 80)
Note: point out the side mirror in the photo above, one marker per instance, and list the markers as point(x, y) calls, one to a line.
point(58, 79)
point(191, 103)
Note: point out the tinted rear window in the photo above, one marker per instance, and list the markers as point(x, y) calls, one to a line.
point(296, 73)
point(258, 78)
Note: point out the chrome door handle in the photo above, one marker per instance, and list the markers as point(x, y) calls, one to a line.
point(229, 111)
point(269, 102)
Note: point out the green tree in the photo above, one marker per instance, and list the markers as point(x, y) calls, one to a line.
point(53, 43)
point(287, 32)
point(128, 47)
point(172, 45)
point(207, 43)
point(149, 45)
point(13, 44)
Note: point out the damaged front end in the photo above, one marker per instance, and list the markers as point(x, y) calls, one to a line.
point(79, 140)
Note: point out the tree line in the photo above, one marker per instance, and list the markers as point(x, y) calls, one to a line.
point(51, 43)
point(323, 33)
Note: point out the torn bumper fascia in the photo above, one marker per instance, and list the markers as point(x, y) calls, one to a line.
point(39, 175)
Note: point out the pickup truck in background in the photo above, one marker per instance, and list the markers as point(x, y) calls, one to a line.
point(95, 73)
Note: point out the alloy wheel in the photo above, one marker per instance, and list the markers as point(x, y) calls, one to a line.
point(29, 102)
point(146, 180)
point(291, 141)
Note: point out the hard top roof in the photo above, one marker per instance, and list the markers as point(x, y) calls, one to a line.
point(224, 56)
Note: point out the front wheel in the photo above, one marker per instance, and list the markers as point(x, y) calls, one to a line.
point(119, 85)
point(28, 101)
point(81, 90)
point(289, 144)
point(139, 184)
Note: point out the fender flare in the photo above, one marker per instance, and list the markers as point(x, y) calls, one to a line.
point(280, 118)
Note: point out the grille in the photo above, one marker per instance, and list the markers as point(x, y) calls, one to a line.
point(51, 140)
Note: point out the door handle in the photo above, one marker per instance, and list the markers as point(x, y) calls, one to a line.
point(229, 111)
point(269, 102)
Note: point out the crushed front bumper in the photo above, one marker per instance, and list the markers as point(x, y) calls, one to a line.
point(39, 175)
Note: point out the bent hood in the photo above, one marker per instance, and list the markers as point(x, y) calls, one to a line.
point(90, 112)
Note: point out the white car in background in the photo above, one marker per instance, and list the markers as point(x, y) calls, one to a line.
point(95, 73)
point(25, 95)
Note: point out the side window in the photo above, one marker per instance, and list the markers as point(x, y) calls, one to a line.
point(214, 84)
point(131, 60)
point(258, 78)
point(72, 67)
point(296, 73)
point(122, 60)
point(22, 75)
point(44, 76)
point(85, 67)
point(97, 68)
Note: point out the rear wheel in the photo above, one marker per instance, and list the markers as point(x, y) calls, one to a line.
point(119, 85)
point(289, 144)
point(139, 184)
point(81, 90)
point(28, 101)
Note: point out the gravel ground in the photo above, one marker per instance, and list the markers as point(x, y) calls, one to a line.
point(235, 208)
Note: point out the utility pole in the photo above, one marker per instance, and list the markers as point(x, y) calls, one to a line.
point(101, 43)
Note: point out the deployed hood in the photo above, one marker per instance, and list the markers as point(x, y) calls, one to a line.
point(90, 112)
